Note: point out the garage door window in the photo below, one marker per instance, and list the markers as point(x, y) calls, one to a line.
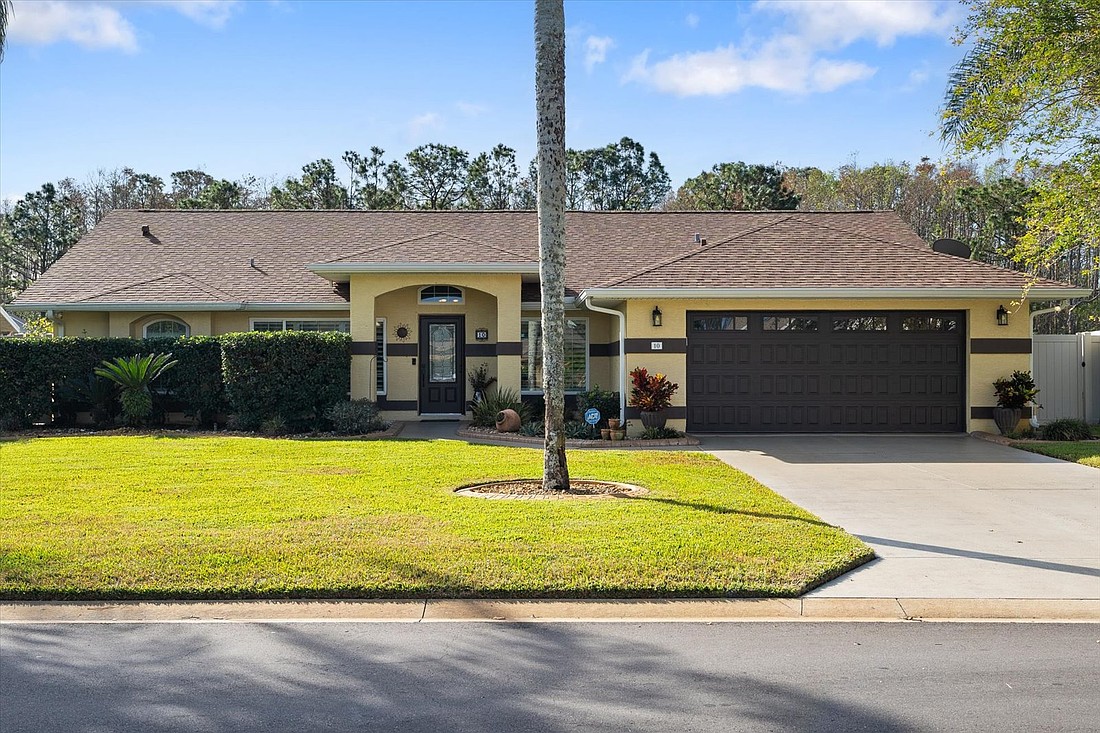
point(860, 323)
point(720, 323)
point(929, 323)
point(790, 323)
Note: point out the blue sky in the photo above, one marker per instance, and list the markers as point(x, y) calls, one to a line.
point(263, 87)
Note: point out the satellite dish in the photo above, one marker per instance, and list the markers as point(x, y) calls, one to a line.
point(951, 247)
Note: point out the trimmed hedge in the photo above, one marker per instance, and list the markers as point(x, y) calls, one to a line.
point(291, 374)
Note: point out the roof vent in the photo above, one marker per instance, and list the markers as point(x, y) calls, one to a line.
point(698, 237)
point(703, 242)
point(251, 261)
point(145, 230)
point(951, 247)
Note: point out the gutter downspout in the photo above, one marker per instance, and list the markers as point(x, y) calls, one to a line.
point(1034, 420)
point(587, 303)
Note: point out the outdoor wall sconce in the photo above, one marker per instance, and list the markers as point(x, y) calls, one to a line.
point(656, 316)
point(482, 334)
point(1002, 316)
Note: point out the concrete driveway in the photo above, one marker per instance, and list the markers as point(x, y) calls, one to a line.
point(948, 516)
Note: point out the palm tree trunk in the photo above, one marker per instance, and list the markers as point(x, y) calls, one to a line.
point(550, 107)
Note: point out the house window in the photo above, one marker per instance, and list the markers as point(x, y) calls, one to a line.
point(342, 325)
point(790, 323)
point(576, 355)
point(166, 329)
point(720, 323)
point(860, 323)
point(439, 294)
point(380, 362)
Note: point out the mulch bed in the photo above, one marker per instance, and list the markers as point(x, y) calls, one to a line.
point(532, 489)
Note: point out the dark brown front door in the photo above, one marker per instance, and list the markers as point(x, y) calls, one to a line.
point(826, 371)
point(442, 365)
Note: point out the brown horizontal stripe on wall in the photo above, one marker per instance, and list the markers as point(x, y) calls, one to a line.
point(668, 346)
point(672, 413)
point(400, 349)
point(1000, 346)
point(384, 404)
point(986, 413)
point(509, 348)
point(611, 349)
point(364, 348)
point(476, 349)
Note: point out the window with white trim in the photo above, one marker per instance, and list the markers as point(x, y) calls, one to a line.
point(440, 294)
point(380, 361)
point(576, 354)
point(166, 328)
point(343, 325)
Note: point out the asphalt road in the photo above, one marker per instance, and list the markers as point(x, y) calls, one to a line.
point(549, 677)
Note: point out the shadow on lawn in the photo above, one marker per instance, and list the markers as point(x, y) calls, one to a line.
point(727, 510)
point(417, 677)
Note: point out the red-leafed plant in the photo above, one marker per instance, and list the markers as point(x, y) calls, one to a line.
point(650, 392)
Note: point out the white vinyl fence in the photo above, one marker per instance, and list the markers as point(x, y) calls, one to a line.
point(1067, 372)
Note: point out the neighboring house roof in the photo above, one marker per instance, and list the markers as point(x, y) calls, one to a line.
point(228, 258)
point(10, 323)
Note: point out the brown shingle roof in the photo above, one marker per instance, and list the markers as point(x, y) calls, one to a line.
point(203, 256)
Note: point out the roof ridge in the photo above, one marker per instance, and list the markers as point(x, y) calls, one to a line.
point(874, 238)
point(209, 290)
point(691, 253)
point(125, 287)
point(407, 240)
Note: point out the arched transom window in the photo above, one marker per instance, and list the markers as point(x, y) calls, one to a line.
point(166, 327)
point(441, 294)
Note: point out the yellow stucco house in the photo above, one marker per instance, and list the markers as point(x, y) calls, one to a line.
point(768, 321)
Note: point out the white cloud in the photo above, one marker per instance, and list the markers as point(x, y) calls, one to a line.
point(595, 50)
point(841, 22)
point(799, 56)
point(211, 13)
point(471, 109)
point(91, 25)
point(782, 64)
point(422, 123)
point(101, 25)
point(917, 77)
point(692, 20)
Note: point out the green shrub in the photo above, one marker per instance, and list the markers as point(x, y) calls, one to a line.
point(195, 385)
point(1067, 429)
point(355, 417)
point(293, 374)
point(484, 413)
point(574, 429)
point(603, 400)
point(660, 434)
point(533, 429)
point(274, 425)
point(1015, 392)
point(93, 394)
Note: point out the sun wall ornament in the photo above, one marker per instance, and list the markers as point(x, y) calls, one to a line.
point(401, 332)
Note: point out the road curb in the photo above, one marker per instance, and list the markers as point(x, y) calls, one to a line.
point(473, 610)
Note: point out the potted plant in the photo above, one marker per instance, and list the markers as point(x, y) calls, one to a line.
point(480, 382)
point(652, 395)
point(1014, 393)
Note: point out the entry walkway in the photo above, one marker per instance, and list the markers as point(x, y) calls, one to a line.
point(948, 516)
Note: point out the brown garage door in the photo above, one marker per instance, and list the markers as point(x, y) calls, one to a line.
point(825, 371)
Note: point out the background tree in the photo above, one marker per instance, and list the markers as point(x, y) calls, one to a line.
point(368, 187)
point(550, 110)
point(493, 179)
point(1030, 83)
point(434, 176)
point(221, 194)
point(737, 187)
point(40, 228)
point(620, 176)
point(318, 188)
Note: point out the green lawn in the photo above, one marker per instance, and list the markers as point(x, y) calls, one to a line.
point(212, 517)
point(1079, 451)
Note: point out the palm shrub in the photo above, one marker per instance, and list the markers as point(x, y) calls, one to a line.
point(133, 375)
point(484, 413)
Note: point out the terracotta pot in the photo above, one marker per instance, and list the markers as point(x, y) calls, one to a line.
point(619, 434)
point(613, 423)
point(605, 433)
point(654, 419)
point(507, 421)
point(1007, 418)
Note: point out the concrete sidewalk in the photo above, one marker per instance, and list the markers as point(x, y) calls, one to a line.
point(611, 610)
point(948, 516)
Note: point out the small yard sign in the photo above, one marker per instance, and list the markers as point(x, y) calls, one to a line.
point(591, 416)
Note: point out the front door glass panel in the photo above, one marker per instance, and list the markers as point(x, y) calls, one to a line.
point(441, 337)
